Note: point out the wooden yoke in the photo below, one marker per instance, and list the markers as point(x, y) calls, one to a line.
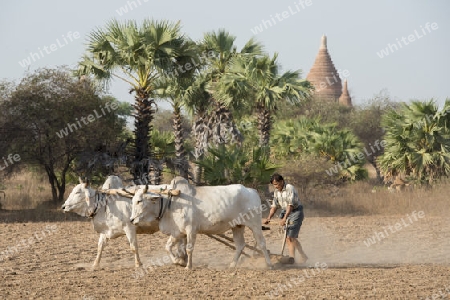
point(125, 193)
point(165, 192)
point(119, 192)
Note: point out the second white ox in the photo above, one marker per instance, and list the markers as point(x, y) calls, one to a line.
point(206, 210)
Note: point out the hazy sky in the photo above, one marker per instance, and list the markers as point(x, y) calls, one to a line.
point(415, 62)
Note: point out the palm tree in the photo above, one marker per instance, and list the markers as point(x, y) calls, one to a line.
point(138, 55)
point(197, 103)
point(177, 91)
point(417, 141)
point(221, 44)
point(258, 79)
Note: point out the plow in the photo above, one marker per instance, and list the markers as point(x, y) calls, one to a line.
point(228, 241)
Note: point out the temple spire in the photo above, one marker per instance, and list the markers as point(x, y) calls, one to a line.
point(345, 98)
point(324, 76)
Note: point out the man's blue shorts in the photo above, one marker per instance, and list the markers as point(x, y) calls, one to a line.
point(294, 221)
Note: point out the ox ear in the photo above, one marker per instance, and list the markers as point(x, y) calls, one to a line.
point(80, 180)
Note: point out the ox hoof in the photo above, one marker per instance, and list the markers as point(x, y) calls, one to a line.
point(189, 268)
point(180, 262)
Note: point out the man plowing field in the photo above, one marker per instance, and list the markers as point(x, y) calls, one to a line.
point(286, 197)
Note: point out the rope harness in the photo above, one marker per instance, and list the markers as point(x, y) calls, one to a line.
point(162, 207)
point(99, 201)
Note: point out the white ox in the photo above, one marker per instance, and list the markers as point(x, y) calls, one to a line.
point(205, 210)
point(110, 216)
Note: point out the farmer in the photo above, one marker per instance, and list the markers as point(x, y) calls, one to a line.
point(286, 197)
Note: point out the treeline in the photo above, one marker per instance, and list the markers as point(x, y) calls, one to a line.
point(235, 117)
point(65, 126)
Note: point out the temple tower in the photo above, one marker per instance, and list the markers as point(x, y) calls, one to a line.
point(324, 76)
point(345, 98)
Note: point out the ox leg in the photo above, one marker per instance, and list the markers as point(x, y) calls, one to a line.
point(132, 239)
point(239, 242)
point(261, 242)
point(182, 249)
point(101, 244)
point(190, 238)
point(179, 257)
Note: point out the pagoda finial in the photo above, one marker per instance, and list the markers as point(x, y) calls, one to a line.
point(323, 42)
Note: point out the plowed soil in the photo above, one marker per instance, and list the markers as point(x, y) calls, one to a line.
point(52, 260)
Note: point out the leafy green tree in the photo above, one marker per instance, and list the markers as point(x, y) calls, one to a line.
point(51, 119)
point(139, 55)
point(309, 136)
point(417, 141)
point(363, 120)
point(365, 123)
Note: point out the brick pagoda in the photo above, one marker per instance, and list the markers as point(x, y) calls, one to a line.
point(325, 78)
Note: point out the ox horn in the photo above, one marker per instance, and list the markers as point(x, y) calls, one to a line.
point(146, 188)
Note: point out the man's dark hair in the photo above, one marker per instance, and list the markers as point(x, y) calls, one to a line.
point(276, 177)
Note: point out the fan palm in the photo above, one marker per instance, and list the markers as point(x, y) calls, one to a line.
point(309, 136)
point(222, 44)
point(197, 103)
point(233, 164)
point(417, 141)
point(258, 80)
point(178, 91)
point(138, 55)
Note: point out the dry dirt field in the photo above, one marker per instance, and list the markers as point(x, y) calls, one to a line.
point(408, 260)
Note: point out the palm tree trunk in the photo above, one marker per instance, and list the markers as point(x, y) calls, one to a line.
point(143, 117)
point(218, 127)
point(264, 126)
point(223, 128)
point(181, 163)
point(201, 134)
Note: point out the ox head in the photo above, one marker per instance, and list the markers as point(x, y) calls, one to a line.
point(145, 206)
point(80, 200)
point(112, 182)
